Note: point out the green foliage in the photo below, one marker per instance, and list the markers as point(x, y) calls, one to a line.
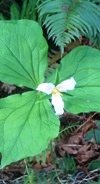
point(27, 11)
point(64, 167)
point(94, 134)
point(15, 11)
point(95, 164)
point(83, 64)
point(30, 177)
point(67, 164)
point(68, 20)
point(68, 129)
point(1, 17)
point(27, 121)
point(22, 54)
point(94, 182)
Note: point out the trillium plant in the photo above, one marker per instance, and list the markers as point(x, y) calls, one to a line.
point(29, 121)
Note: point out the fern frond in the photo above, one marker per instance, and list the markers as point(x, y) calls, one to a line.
point(68, 129)
point(68, 20)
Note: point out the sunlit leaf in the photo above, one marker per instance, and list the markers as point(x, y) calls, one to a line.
point(23, 53)
point(82, 63)
point(28, 124)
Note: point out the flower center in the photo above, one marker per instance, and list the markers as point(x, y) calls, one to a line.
point(55, 91)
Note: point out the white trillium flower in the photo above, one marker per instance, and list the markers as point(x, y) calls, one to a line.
point(55, 91)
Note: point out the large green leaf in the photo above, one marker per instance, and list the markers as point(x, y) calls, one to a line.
point(84, 99)
point(23, 53)
point(28, 125)
point(84, 66)
point(82, 63)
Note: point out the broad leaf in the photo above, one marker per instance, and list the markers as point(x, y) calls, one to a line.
point(83, 63)
point(84, 99)
point(23, 53)
point(28, 124)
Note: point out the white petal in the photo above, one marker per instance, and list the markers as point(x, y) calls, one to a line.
point(45, 87)
point(58, 104)
point(66, 85)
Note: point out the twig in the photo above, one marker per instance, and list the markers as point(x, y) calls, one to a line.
point(87, 177)
point(72, 145)
point(77, 177)
point(89, 119)
point(3, 181)
point(17, 179)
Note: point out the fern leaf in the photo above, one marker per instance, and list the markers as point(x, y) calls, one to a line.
point(68, 20)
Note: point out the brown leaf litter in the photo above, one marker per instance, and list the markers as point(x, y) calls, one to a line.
point(75, 145)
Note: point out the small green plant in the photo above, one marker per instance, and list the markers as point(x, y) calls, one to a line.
point(26, 11)
point(28, 121)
